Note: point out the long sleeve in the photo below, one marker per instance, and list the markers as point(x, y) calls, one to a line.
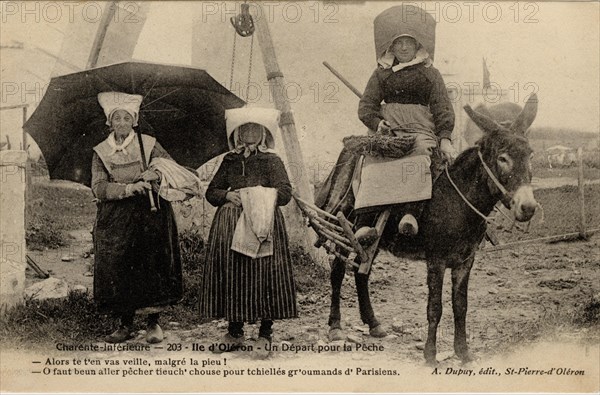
point(280, 180)
point(218, 187)
point(102, 187)
point(369, 106)
point(441, 107)
point(159, 152)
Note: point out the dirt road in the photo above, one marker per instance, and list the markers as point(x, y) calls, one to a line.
point(514, 295)
point(522, 302)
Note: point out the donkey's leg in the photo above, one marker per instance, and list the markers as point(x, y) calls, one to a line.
point(435, 282)
point(460, 285)
point(367, 315)
point(338, 269)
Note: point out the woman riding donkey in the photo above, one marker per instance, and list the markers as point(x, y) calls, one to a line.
point(416, 101)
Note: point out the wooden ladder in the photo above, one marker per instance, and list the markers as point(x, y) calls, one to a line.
point(339, 238)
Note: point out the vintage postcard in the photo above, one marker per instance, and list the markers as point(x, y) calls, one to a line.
point(299, 196)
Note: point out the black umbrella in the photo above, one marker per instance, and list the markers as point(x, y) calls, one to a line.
point(183, 107)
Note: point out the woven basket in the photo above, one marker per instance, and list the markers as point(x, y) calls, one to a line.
point(380, 145)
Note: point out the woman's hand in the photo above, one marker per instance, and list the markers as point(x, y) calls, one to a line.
point(234, 197)
point(149, 176)
point(138, 188)
point(384, 127)
point(448, 149)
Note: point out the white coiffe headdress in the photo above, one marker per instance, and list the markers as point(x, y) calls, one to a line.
point(267, 117)
point(113, 101)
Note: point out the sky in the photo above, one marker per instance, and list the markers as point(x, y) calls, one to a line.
point(550, 48)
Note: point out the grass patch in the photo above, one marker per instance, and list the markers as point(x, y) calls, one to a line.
point(53, 211)
point(310, 277)
point(192, 249)
point(41, 233)
point(589, 172)
point(561, 213)
point(588, 313)
point(74, 320)
point(581, 319)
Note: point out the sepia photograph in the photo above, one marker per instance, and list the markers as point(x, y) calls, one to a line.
point(299, 196)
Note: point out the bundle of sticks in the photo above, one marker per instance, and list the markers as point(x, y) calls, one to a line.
point(379, 145)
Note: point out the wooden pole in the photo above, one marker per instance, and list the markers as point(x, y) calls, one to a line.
point(144, 168)
point(28, 173)
point(288, 127)
point(581, 184)
point(344, 80)
point(107, 15)
point(547, 239)
point(24, 132)
point(298, 174)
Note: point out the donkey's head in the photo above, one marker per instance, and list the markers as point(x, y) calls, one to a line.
point(506, 153)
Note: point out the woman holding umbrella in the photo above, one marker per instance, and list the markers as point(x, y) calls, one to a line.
point(137, 263)
point(248, 271)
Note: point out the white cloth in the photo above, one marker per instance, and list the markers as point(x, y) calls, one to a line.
point(177, 182)
point(119, 147)
point(113, 101)
point(387, 60)
point(253, 235)
point(382, 181)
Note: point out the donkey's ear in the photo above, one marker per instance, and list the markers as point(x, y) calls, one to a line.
point(485, 123)
point(526, 117)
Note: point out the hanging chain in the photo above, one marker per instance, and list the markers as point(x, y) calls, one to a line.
point(249, 68)
point(244, 26)
point(232, 61)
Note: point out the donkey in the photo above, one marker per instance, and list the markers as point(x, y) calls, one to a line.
point(454, 221)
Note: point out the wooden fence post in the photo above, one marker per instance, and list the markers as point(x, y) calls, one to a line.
point(299, 235)
point(12, 223)
point(581, 184)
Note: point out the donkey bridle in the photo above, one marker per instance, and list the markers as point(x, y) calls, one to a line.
point(494, 179)
point(503, 190)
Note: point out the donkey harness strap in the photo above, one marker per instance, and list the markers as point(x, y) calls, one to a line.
point(486, 219)
point(492, 176)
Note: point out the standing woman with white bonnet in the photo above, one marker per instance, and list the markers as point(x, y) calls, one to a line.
point(413, 92)
point(137, 266)
point(248, 273)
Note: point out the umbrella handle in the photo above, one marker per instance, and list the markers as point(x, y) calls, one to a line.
point(151, 197)
point(145, 167)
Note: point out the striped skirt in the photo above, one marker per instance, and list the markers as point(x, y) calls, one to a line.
point(239, 288)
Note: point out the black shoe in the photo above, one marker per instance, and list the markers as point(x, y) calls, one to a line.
point(119, 336)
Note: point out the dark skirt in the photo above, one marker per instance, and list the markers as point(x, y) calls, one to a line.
point(136, 251)
point(239, 288)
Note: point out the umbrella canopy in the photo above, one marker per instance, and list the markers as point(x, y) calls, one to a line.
point(183, 107)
